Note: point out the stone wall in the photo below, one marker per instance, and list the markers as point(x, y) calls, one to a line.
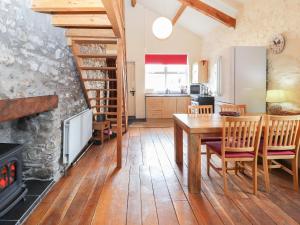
point(256, 24)
point(35, 60)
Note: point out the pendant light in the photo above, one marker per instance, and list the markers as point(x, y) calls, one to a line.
point(162, 28)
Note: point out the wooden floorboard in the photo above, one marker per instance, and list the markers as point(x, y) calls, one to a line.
point(151, 189)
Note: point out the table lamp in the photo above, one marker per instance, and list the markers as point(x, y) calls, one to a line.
point(274, 97)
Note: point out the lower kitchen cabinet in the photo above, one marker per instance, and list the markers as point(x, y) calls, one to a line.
point(182, 104)
point(169, 107)
point(165, 107)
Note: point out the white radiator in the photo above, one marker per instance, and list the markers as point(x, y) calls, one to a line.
point(78, 130)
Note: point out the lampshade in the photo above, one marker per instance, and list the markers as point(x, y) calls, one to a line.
point(162, 28)
point(276, 96)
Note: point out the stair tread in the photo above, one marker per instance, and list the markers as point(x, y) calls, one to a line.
point(102, 98)
point(97, 41)
point(105, 113)
point(113, 56)
point(98, 79)
point(97, 68)
point(104, 106)
point(94, 89)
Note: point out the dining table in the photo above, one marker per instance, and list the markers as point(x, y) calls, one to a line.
point(197, 127)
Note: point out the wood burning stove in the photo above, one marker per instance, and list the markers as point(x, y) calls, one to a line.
point(12, 188)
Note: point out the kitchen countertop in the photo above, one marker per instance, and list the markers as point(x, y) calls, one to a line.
point(166, 95)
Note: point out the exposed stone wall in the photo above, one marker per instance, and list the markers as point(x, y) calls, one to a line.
point(256, 25)
point(35, 60)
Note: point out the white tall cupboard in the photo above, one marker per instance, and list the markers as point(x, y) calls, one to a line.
point(242, 78)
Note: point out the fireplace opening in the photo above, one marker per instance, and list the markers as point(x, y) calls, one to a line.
point(12, 188)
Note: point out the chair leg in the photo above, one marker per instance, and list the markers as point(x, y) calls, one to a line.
point(254, 174)
point(236, 168)
point(242, 169)
point(295, 173)
point(208, 157)
point(266, 174)
point(224, 170)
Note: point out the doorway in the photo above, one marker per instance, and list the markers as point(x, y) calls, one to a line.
point(131, 89)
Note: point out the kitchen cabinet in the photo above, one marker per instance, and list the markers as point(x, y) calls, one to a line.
point(200, 72)
point(163, 107)
point(169, 106)
point(182, 105)
point(154, 107)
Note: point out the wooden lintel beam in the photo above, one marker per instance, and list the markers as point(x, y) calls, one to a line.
point(211, 12)
point(179, 13)
point(68, 6)
point(133, 3)
point(90, 33)
point(12, 109)
point(81, 21)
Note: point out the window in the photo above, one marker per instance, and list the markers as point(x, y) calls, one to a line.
point(162, 74)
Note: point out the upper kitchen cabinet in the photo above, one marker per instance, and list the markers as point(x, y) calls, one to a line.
point(200, 72)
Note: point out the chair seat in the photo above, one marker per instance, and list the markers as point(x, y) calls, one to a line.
point(210, 139)
point(275, 152)
point(217, 148)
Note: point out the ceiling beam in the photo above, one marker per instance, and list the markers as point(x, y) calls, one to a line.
point(90, 33)
point(133, 3)
point(81, 21)
point(211, 12)
point(179, 13)
point(68, 6)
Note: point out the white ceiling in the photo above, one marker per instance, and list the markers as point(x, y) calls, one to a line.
point(191, 19)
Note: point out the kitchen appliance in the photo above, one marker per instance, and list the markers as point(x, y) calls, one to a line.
point(198, 89)
point(195, 89)
point(240, 78)
point(203, 100)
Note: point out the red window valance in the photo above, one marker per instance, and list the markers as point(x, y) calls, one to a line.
point(166, 59)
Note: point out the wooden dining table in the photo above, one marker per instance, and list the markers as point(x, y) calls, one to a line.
point(196, 126)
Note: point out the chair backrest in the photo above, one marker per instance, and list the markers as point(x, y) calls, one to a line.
point(281, 133)
point(241, 134)
point(200, 109)
point(234, 108)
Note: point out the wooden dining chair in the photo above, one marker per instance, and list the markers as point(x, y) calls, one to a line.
point(200, 109)
point(240, 143)
point(234, 108)
point(281, 141)
point(203, 110)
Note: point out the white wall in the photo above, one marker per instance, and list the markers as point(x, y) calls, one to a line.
point(256, 24)
point(141, 41)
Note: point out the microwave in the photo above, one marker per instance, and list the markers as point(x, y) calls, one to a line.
point(195, 89)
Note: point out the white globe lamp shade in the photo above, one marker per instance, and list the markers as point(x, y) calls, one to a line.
point(162, 28)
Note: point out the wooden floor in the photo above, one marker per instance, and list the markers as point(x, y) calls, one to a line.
point(151, 189)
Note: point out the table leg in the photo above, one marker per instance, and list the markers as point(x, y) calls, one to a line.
point(178, 143)
point(194, 163)
point(102, 137)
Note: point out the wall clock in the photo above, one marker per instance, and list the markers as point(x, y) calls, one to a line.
point(277, 44)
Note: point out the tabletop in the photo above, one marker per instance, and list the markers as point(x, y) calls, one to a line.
point(197, 123)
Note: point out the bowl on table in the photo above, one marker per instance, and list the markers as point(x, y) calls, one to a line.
point(229, 114)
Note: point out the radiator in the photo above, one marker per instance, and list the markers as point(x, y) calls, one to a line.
point(78, 130)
